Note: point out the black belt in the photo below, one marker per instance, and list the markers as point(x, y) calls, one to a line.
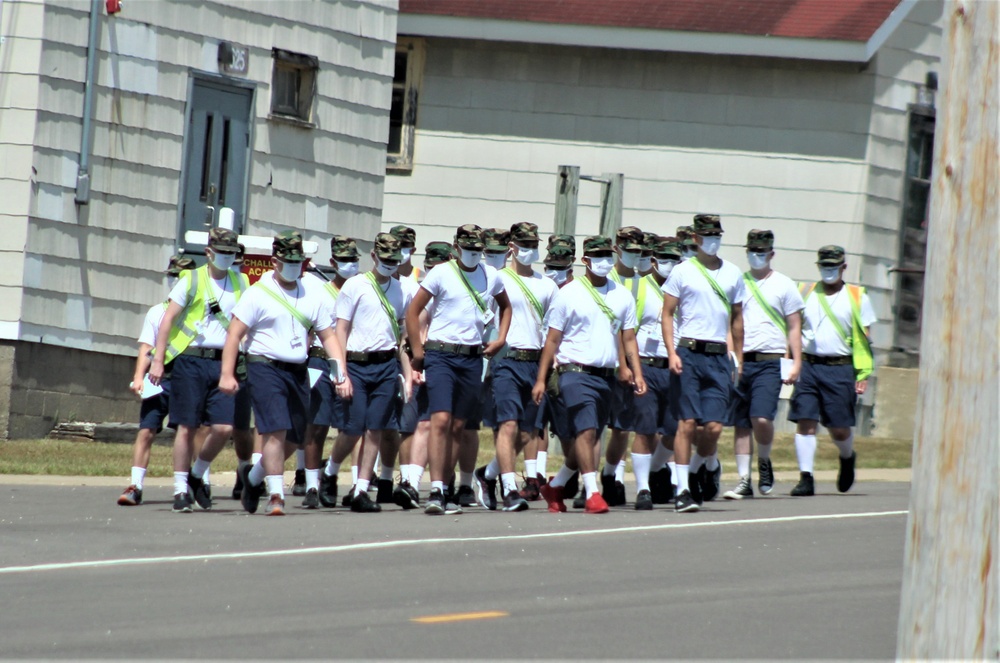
point(318, 353)
point(599, 371)
point(761, 356)
point(204, 353)
point(524, 355)
point(703, 347)
point(454, 348)
point(656, 362)
point(379, 357)
point(835, 360)
point(289, 366)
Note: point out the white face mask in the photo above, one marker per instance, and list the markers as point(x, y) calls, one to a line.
point(757, 260)
point(644, 264)
point(289, 271)
point(407, 253)
point(385, 270)
point(629, 259)
point(557, 275)
point(601, 266)
point(495, 260)
point(664, 267)
point(347, 269)
point(470, 258)
point(711, 244)
point(688, 254)
point(829, 274)
point(526, 256)
point(223, 261)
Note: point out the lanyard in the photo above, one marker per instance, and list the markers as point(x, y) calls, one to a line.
point(385, 305)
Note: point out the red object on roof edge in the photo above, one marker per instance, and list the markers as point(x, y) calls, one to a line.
point(837, 20)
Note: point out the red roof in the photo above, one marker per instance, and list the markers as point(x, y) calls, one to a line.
point(838, 20)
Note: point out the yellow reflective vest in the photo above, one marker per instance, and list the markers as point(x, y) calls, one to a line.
point(184, 329)
point(857, 340)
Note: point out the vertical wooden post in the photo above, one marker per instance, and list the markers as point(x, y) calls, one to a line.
point(612, 188)
point(567, 191)
point(949, 607)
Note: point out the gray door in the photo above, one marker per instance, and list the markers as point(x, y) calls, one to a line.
point(218, 149)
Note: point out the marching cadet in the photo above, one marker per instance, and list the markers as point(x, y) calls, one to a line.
point(708, 292)
point(407, 237)
point(276, 316)
point(243, 437)
point(837, 360)
point(649, 243)
point(191, 336)
point(155, 408)
point(587, 319)
point(456, 343)
point(772, 323)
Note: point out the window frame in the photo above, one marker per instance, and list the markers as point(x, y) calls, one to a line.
point(307, 69)
point(415, 50)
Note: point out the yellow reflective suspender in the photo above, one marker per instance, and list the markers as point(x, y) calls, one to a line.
point(857, 340)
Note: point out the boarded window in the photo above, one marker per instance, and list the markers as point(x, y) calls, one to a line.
point(293, 86)
point(407, 73)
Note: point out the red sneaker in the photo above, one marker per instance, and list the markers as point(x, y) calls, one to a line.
point(596, 504)
point(554, 497)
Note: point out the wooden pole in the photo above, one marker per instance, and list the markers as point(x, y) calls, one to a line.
point(949, 607)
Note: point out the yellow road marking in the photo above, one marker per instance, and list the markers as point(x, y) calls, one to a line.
point(459, 617)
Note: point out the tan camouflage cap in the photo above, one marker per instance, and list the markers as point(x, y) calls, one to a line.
point(760, 240)
point(406, 235)
point(178, 264)
point(470, 237)
point(596, 244)
point(387, 247)
point(287, 246)
point(223, 240)
point(496, 239)
point(831, 255)
point(707, 224)
point(523, 232)
point(343, 247)
point(559, 256)
point(437, 253)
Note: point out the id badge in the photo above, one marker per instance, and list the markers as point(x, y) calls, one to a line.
point(616, 326)
point(296, 342)
point(487, 316)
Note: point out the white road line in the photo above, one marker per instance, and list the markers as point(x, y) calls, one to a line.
point(405, 543)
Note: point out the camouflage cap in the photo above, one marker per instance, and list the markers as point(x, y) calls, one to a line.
point(524, 232)
point(559, 256)
point(831, 255)
point(470, 237)
point(496, 239)
point(178, 264)
point(628, 238)
point(344, 247)
point(437, 253)
point(685, 235)
point(707, 224)
point(406, 235)
point(223, 240)
point(760, 240)
point(387, 247)
point(649, 242)
point(563, 240)
point(287, 246)
point(596, 244)
point(669, 247)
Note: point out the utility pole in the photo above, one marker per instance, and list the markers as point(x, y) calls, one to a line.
point(949, 607)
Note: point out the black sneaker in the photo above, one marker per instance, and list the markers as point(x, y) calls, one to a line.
point(435, 503)
point(805, 486)
point(659, 486)
point(695, 482)
point(363, 504)
point(685, 503)
point(406, 496)
point(182, 503)
point(742, 491)
point(580, 501)
point(327, 490)
point(644, 500)
point(619, 494)
point(311, 500)
point(383, 494)
point(466, 498)
point(572, 486)
point(451, 505)
point(238, 486)
point(608, 489)
point(765, 479)
point(513, 501)
point(712, 483)
point(845, 477)
point(251, 493)
point(299, 487)
point(202, 492)
point(486, 489)
point(348, 498)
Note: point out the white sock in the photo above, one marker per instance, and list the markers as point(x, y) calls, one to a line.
point(416, 474)
point(199, 468)
point(386, 473)
point(465, 478)
point(620, 471)
point(846, 447)
point(207, 477)
point(180, 482)
point(673, 470)
point(640, 467)
point(255, 458)
point(763, 451)
point(493, 469)
point(712, 463)
point(312, 480)
point(590, 483)
point(805, 449)
point(361, 486)
point(354, 474)
point(138, 474)
point(660, 457)
point(378, 461)
point(696, 462)
point(608, 470)
point(257, 473)
point(437, 485)
point(562, 476)
point(743, 465)
point(681, 478)
point(530, 468)
point(541, 463)
point(276, 485)
point(331, 468)
point(300, 459)
point(509, 481)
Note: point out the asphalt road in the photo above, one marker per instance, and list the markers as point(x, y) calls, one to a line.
point(770, 578)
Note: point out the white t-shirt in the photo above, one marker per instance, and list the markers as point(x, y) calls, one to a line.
point(525, 331)
point(760, 334)
point(274, 332)
point(819, 335)
point(649, 336)
point(211, 333)
point(371, 330)
point(313, 282)
point(703, 316)
point(588, 337)
point(151, 325)
point(456, 317)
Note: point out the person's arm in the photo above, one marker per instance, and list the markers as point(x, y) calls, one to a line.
point(794, 321)
point(667, 325)
point(419, 303)
point(156, 369)
point(142, 362)
point(736, 326)
point(503, 303)
point(631, 349)
point(334, 344)
point(228, 384)
point(552, 342)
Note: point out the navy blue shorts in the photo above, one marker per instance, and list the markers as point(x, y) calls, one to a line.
point(242, 408)
point(280, 400)
point(195, 396)
point(588, 401)
point(374, 405)
point(622, 407)
point(555, 415)
point(702, 390)
point(154, 410)
point(454, 384)
point(756, 396)
point(512, 384)
point(325, 406)
point(825, 394)
point(652, 409)
point(414, 410)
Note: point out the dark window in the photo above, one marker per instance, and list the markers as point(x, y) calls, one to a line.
point(293, 85)
point(403, 112)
